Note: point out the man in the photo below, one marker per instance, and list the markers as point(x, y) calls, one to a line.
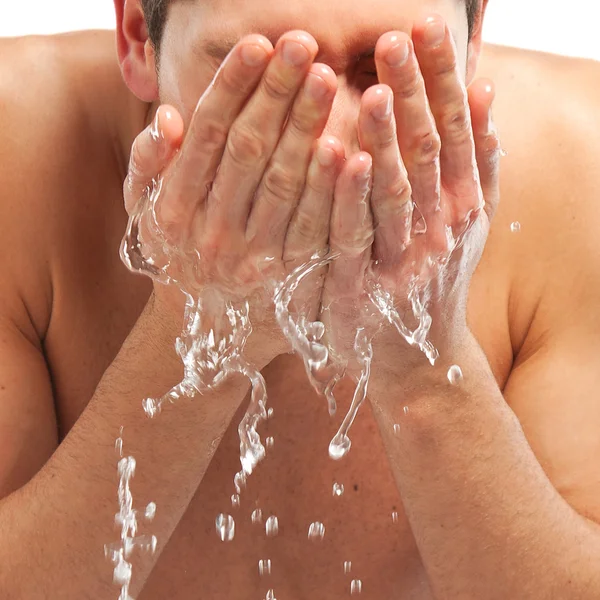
point(493, 483)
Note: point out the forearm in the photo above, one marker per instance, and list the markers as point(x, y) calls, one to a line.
point(488, 522)
point(55, 527)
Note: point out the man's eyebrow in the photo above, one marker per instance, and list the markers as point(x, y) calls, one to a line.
point(220, 48)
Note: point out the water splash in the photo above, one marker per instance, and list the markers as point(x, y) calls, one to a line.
point(356, 586)
point(150, 512)
point(119, 552)
point(272, 526)
point(257, 516)
point(340, 444)
point(316, 531)
point(264, 567)
point(338, 489)
point(347, 567)
point(515, 227)
point(225, 525)
point(304, 335)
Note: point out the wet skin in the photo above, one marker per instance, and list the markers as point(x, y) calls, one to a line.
point(514, 309)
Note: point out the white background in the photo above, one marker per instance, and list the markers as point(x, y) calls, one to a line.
point(568, 27)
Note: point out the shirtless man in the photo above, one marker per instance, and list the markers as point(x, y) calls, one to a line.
point(495, 481)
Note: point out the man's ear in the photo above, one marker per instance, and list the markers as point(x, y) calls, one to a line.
point(476, 43)
point(135, 51)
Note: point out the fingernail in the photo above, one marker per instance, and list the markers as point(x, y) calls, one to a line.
point(315, 86)
point(253, 55)
point(398, 55)
point(435, 32)
point(326, 156)
point(294, 54)
point(383, 110)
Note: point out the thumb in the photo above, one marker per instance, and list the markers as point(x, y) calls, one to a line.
point(487, 144)
point(151, 152)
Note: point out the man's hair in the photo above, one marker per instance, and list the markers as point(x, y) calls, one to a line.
point(155, 12)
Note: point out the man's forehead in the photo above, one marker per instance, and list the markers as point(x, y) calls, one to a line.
point(359, 43)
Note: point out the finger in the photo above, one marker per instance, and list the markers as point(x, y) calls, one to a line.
point(351, 233)
point(417, 135)
point(255, 134)
point(308, 230)
point(285, 177)
point(216, 111)
point(151, 152)
point(436, 53)
point(391, 197)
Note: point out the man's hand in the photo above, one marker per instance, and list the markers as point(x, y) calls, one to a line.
point(250, 188)
point(434, 168)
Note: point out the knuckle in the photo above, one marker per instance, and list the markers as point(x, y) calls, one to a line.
point(427, 148)
point(409, 90)
point(446, 66)
point(233, 81)
point(455, 121)
point(399, 189)
point(301, 122)
point(386, 140)
point(280, 183)
point(275, 87)
point(211, 136)
point(244, 146)
point(307, 231)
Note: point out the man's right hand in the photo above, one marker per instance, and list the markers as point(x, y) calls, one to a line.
point(247, 194)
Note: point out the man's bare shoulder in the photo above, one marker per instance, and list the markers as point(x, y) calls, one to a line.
point(547, 114)
point(52, 146)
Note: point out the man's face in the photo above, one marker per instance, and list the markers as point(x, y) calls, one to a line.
point(198, 35)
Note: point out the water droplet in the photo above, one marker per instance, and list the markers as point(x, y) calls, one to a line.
point(339, 446)
point(225, 527)
point(239, 482)
point(356, 586)
point(405, 409)
point(338, 489)
point(503, 152)
point(394, 517)
point(272, 526)
point(270, 413)
point(256, 516)
point(269, 442)
point(122, 572)
point(270, 595)
point(264, 566)
point(455, 375)
point(150, 511)
point(515, 227)
point(397, 429)
point(119, 446)
point(316, 531)
point(347, 567)
point(235, 501)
